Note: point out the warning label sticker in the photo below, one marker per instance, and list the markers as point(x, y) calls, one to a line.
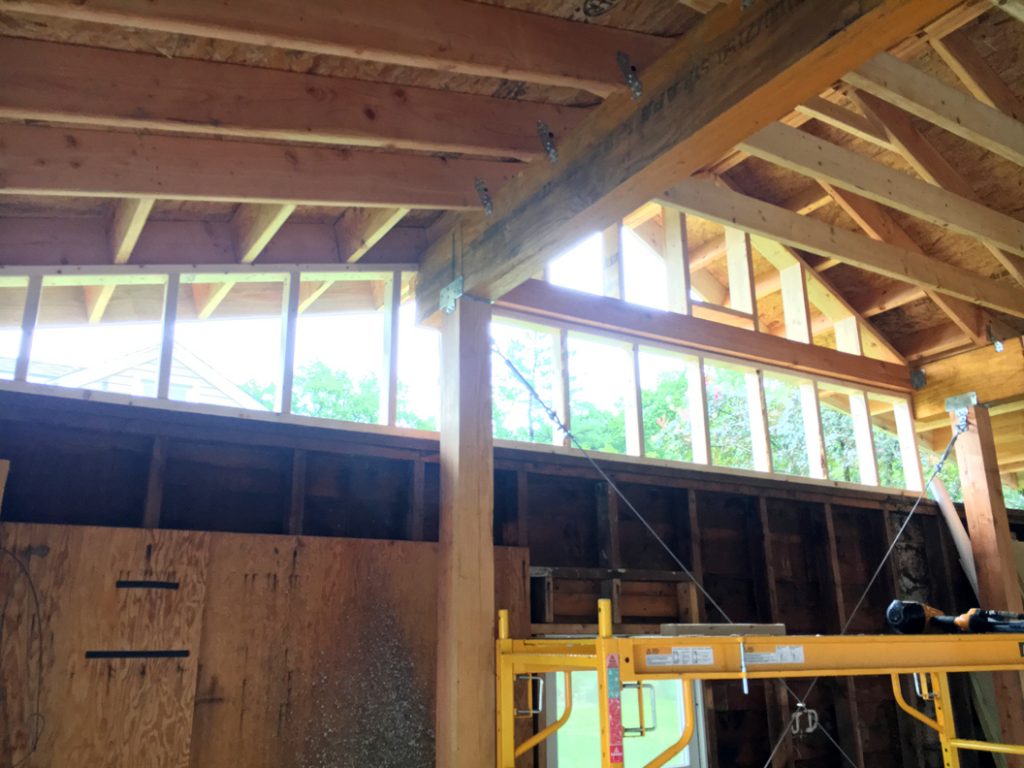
point(783, 654)
point(688, 656)
point(616, 753)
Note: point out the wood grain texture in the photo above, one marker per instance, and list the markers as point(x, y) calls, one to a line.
point(101, 712)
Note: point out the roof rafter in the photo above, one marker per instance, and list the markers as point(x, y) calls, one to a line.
point(729, 208)
point(71, 84)
point(359, 229)
point(469, 38)
point(732, 72)
point(126, 225)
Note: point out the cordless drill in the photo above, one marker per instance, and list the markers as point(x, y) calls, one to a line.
point(911, 618)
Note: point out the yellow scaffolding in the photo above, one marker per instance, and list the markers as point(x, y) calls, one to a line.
point(621, 660)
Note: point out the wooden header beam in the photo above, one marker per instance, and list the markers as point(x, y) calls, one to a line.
point(70, 84)
point(60, 161)
point(734, 72)
point(453, 36)
point(694, 335)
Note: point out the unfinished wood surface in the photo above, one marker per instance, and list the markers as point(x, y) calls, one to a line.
point(476, 39)
point(69, 84)
point(758, 218)
point(844, 168)
point(255, 225)
point(465, 606)
point(60, 161)
point(984, 83)
point(737, 69)
point(992, 544)
point(930, 99)
point(359, 229)
point(102, 711)
point(995, 376)
point(562, 305)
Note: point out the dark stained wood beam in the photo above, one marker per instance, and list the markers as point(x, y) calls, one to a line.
point(70, 84)
point(543, 300)
point(736, 70)
point(63, 161)
point(450, 35)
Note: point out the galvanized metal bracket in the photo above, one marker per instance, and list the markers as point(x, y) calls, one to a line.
point(918, 379)
point(958, 406)
point(547, 140)
point(630, 75)
point(451, 294)
point(997, 343)
point(485, 196)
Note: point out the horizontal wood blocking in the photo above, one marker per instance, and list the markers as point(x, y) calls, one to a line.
point(70, 84)
point(454, 36)
point(63, 161)
point(692, 334)
point(734, 71)
point(729, 208)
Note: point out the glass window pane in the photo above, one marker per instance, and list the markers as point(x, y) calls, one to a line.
point(728, 415)
point(787, 429)
point(534, 351)
point(664, 387)
point(12, 307)
point(887, 444)
point(419, 372)
point(339, 350)
point(102, 336)
point(227, 341)
point(646, 277)
point(597, 383)
point(839, 434)
point(579, 268)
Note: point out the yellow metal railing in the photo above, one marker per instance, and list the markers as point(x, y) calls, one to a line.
point(619, 660)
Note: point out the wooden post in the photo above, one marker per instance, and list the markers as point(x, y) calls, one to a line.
point(389, 381)
point(29, 317)
point(297, 503)
point(677, 260)
point(612, 263)
point(465, 634)
point(989, 528)
point(290, 320)
point(155, 484)
point(163, 379)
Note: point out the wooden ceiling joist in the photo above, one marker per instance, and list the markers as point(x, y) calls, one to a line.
point(61, 161)
point(926, 159)
point(798, 151)
point(70, 84)
point(729, 208)
point(735, 70)
point(126, 225)
point(449, 35)
point(922, 95)
point(974, 72)
point(359, 229)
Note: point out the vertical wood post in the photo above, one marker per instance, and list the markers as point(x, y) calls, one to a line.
point(677, 260)
point(465, 633)
point(989, 528)
point(163, 377)
point(155, 484)
point(389, 381)
point(29, 317)
point(290, 319)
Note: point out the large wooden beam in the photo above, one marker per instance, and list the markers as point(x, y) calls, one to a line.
point(575, 308)
point(70, 84)
point(924, 96)
point(732, 209)
point(466, 611)
point(469, 38)
point(736, 69)
point(359, 229)
point(992, 545)
point(59, 161)
point(996, 377)
point(926, 159)
point(803, 153)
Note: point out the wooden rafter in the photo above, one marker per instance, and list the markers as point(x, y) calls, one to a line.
point(931, 165)
point(126, 225)
point(843, 168)
point(69, 84)
point(57, 161)
point(733, 71)
point(469, 38)
point(922, 95)
point(974, 72)
point(726, 207)
point(359, 229)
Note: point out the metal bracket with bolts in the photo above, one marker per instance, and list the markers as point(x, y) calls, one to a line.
point(629, 74)
point(547, 140)
point(485, 196)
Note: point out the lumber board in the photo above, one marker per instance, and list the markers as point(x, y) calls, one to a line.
point(733, 72)
point(758, 218)
point(994, 376)
point(70, 84)
point(111, 712)
point(563, 305)
point(472, 39)
point(64, 161)
point(5, 471)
